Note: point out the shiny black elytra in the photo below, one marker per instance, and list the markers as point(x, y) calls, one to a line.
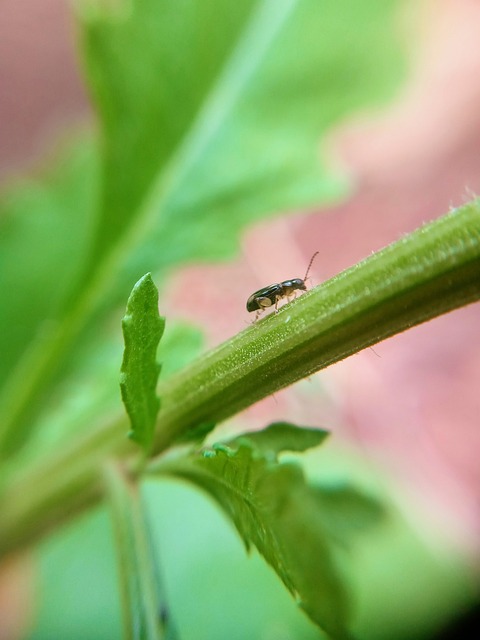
point(269, 296)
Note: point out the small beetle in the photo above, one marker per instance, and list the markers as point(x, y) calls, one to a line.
point(268, 296)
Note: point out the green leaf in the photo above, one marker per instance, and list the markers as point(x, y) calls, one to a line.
point(145, 615)
point(280, 436)
point(274, 509)
point(210, 117)
point(214, 136)
point(45, 229)
point(346, 511)
point(142, 329)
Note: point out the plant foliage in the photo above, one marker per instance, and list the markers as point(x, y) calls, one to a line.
point(210, 115)
point(273, 508)
point(142, 330)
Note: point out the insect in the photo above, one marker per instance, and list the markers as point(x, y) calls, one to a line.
point(268, 296)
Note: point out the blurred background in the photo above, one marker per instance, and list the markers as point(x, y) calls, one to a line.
point(407, 412)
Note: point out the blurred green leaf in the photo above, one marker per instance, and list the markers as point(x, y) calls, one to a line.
point(142, 330)
point(403, 588)
point(280, 436)
point(346, 511)
point(210, 117)
point(274, 509)
point(45, 229)
point(145, 611)
point(78, 594)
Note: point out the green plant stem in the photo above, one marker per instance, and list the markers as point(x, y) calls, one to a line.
point(423, 275)
point(141, 597)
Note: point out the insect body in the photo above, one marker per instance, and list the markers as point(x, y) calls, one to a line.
point(269, 296)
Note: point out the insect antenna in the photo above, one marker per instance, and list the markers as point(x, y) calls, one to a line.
point(310, 264)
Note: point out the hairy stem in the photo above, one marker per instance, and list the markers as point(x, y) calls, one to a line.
point(423, 275)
